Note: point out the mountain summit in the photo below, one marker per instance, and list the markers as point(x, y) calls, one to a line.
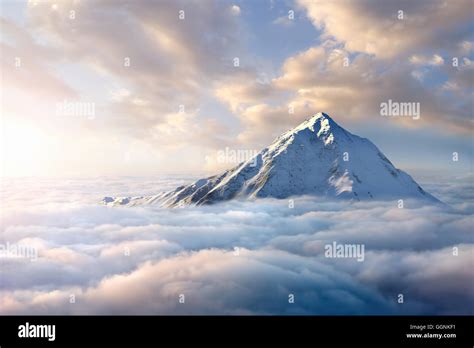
point(318, 158)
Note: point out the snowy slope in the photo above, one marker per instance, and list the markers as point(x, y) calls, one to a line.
point(318, 157)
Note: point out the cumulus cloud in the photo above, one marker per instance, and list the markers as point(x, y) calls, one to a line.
point(243, 89)
point(152, 60)
point(159, 71)
point(390, 28)
point(235, 10)
point(421, 60)
point(406, 59)
point(169, 58)
point(234, 258)
point(351, 87)
point(320, 77)
point(148, 68)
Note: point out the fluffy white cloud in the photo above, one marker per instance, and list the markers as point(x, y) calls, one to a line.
point(390, 28)
point(421, 60)
point(146, 66)
point(235, 10)
point(180, 55)
point(358, 66)
point(351, 88)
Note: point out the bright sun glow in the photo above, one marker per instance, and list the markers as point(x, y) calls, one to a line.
point(23, 149)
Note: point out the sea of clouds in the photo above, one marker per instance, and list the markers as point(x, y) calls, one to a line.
point(232, 258)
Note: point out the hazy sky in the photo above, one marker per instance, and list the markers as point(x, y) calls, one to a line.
point(139, 87)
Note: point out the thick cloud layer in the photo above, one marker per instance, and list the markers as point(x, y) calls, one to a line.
point(235, 258)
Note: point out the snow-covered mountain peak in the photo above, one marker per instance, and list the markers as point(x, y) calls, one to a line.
point(321, 125)
point(317, 157)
